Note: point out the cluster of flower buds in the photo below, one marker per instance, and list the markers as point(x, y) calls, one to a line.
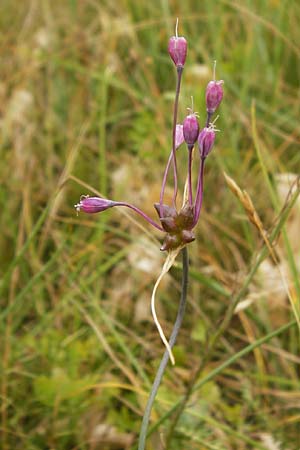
point(177, 224)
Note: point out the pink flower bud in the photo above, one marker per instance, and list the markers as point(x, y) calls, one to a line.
point(214, 95)
point(91, 205)
point(206, 141)
point(190, 129)
point(177, 49)
point(179, 138)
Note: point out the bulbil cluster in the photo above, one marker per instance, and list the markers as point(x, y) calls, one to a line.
point(177, 224)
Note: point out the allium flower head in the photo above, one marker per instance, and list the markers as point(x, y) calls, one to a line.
point(177, 224)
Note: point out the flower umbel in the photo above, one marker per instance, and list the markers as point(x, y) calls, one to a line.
point(177, 224)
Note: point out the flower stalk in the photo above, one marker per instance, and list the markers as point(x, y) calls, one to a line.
point(166, 356)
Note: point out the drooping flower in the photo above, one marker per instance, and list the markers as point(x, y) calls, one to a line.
point(92, 205)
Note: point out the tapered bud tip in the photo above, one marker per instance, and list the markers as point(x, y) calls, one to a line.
point(214, 95)
point(91, 205)
point(179, 138)
point(206, 141)
point(190, 129)
point(177, 49)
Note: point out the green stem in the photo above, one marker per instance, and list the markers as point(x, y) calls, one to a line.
point(165, 358)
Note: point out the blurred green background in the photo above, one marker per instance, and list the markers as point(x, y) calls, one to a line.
point(86, 94)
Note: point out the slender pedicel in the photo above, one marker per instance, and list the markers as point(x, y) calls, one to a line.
point(92, 205)
point(175, 113)
point(199, 193)
point(190, 133)
point(179, 139)
point(177, 49)
point(190, 163)
point(141, 213)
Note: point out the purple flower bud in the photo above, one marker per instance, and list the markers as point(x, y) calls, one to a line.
point(179, 138)
point(214, 95)
point(190, 129)
point(91, 205)
point(177, 49)
point(206, 141)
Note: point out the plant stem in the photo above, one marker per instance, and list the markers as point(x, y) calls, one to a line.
point(165, 358)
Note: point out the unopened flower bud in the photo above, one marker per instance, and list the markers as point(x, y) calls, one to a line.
point(93, 205)
point(190, 129)
point(214, 95)
point(179, 138)
point(177, 50)
point(206, 141)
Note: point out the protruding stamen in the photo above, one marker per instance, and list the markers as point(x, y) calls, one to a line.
point(214, 70)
